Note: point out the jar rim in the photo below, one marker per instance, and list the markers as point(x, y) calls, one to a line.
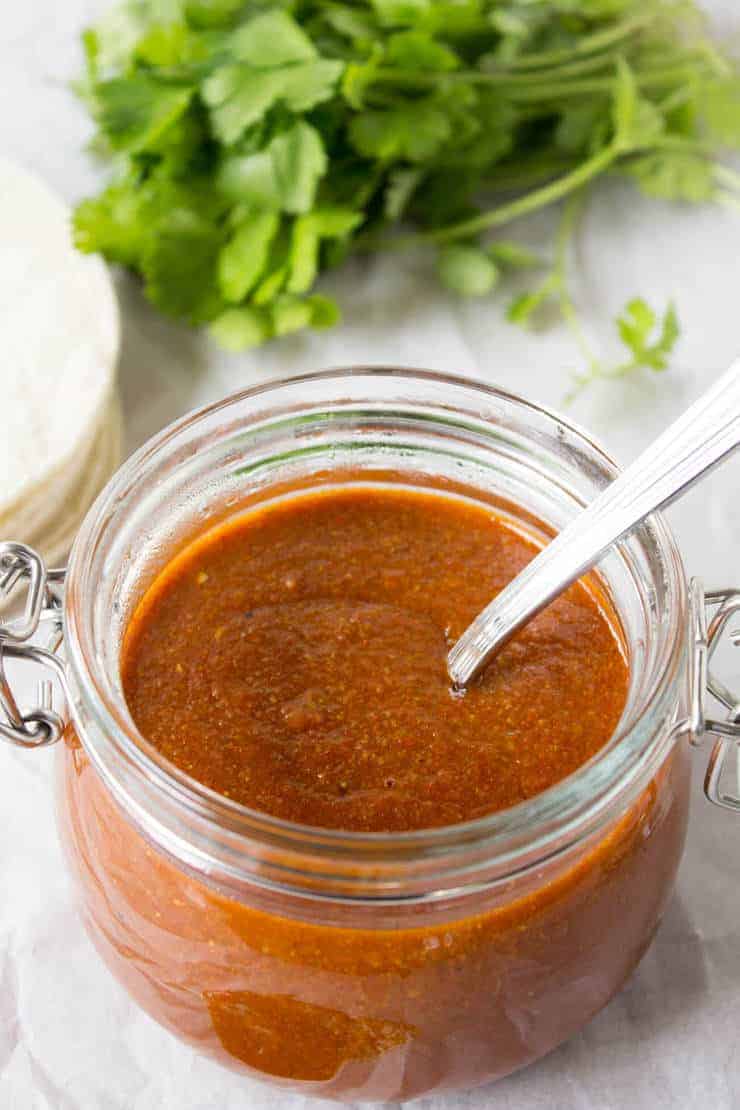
point(515, 838)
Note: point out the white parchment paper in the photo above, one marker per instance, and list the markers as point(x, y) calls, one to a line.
point(69, 1037)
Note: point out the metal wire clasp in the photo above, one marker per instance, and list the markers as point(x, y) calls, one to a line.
point(710, 614)
point(21, 567)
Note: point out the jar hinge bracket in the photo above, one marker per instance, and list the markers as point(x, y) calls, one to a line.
point(711, 613)
point(38, 592)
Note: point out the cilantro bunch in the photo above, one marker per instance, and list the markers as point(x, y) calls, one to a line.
point(254, 144)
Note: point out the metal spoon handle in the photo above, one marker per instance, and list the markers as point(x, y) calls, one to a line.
point(700, 439)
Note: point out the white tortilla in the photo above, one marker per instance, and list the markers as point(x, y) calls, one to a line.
point(60, 423)
point(59, 339)
point(52, 534)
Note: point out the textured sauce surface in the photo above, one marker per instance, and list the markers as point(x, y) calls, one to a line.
point(293, 659)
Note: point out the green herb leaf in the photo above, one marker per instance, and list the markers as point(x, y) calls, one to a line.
point(308, 231)
point(290, 314)
point(300, 162)
point(285, 175)
point(111, 224)
point(168, 45)
point(402, 184)
point(359, 76)
point(468, 271)
point(212, 13)
point(243, 259)
point(719, 103)
point(674, 175)
point(180, 266)
point(276, 63)
point(401, 13)
point(324, 312)
point(351, 22)
point(523, 307)
point(637, 122)
point(636, 326)
point(416, 133)
point(416, 50)
point(133, 112)
point(237, 329)
point(240, 97)
point(271, 39)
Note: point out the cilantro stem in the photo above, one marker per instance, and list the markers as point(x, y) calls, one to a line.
point(668, 75)
point(564, 69)
point(521, 91)
point(521, 206)
point(571, 213)
point(509, 179)
point(589, 44)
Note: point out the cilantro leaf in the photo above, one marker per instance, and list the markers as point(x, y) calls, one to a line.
point(133, 112)
point(241, 329)
point(637, 122)
point(284, 175)
point(300, 161)
point(275, 63)
point(271, 39)
point(649, 349)
point(240, 97)
point(402, 183)
point(674, 175)
point(237, 329)
point(417, 50)
point(581, 127)
point(468, 271)
point(719, 103)
point(359, 76)
point(523, 307)
point(111, 224)
point(168, 45)
point(401, 13)
point(417, 133)
point(636, 327)
point(112, 41)
point(243, 259)
point(308, 231)
point(212, 13)
point(291, 313)
point(324, 312)
point(250, 179)
point(180, 266)
point(351, 22)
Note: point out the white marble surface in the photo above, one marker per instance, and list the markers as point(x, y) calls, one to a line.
point(69, 1037)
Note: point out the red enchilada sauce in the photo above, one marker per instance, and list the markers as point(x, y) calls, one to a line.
point(293, 658)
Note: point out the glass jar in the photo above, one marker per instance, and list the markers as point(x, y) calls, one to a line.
point(349, 965)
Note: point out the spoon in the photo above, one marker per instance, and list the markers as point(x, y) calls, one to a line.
point(700, 439)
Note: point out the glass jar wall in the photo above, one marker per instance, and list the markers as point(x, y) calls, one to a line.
point(368, 966)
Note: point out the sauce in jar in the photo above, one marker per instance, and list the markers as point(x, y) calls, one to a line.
point(293, 659)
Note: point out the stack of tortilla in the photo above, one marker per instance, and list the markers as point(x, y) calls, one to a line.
point(60, 425)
